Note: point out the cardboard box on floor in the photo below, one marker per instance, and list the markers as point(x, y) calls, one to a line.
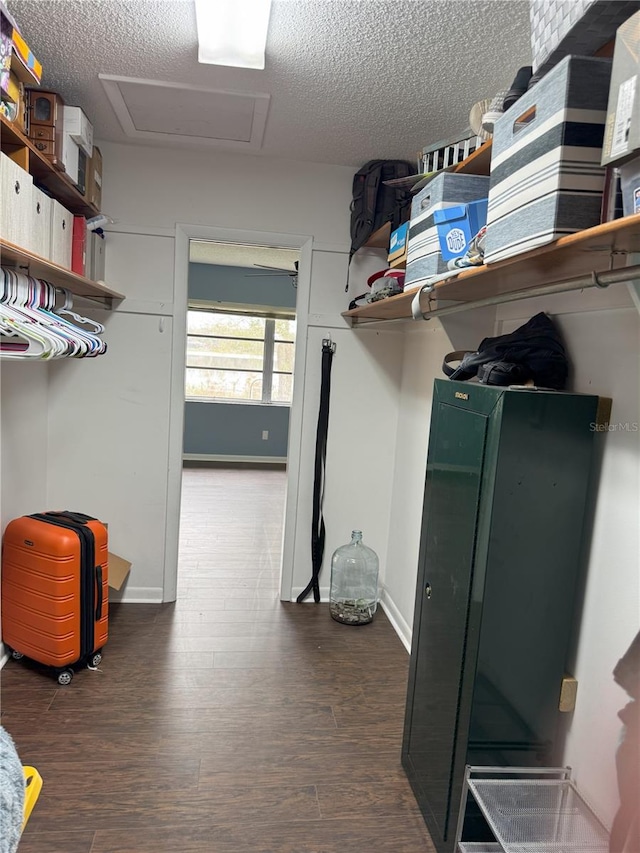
point(119, 568)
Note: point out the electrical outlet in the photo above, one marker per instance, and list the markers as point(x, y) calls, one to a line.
point(265, 434)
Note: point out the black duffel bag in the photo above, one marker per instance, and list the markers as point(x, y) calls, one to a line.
point(534, 352)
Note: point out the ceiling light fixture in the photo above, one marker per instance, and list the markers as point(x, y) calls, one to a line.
point(232, 32)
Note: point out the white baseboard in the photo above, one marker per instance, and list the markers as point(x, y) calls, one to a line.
point(137, 595)
point(398, 622)
point(221, 457)
point(4, 655)
point(324, 595)
point(400, 625)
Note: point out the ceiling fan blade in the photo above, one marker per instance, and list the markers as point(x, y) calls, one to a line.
point(279, 269)
point(276, 269)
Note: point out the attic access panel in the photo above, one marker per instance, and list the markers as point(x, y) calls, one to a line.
point(173, 112)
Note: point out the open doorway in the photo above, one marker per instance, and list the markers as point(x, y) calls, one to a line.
point(236, 378)
point(241, 329)
point(241, 326)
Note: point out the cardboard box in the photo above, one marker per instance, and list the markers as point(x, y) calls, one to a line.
point(398, 245)
point(457, 226)
point(23, 62)
point(622, 131)
point(15, 54)
point(119, 569)
point(94, 179)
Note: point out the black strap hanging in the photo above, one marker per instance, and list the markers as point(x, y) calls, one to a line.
point(317, 524)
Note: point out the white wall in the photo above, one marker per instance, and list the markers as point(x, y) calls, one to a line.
point(425, 346)
point(108, 434)
point(154, 187)
point(108, 417)
point(602, 334)
point(23, 431)
point(23, 438)
point(118, 466)
point(605, 349)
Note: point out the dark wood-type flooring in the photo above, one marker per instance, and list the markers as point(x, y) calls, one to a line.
point(227, 722)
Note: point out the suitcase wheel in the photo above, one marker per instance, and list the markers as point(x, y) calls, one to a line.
point(65, 677)
point(16, 655)
point(95, 659)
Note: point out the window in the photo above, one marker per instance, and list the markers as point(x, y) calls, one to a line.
point(233, 356)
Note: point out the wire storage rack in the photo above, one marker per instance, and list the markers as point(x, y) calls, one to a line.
point(530, 811)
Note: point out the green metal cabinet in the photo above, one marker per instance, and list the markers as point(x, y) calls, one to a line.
point(502, 538)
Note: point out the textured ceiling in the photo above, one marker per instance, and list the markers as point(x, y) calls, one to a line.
point(235, 255)
point(350, 80)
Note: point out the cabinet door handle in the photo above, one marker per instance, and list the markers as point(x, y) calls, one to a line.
point(17, 187)
point(427, 590)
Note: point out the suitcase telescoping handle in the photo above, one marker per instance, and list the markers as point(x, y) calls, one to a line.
point(99, 586)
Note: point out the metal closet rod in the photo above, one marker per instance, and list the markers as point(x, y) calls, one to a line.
point(593, 279)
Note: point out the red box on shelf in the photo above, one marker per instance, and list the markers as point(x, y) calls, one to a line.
point(79, 245)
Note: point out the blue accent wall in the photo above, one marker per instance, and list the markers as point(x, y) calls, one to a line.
point(240, 285)
point(235, 429)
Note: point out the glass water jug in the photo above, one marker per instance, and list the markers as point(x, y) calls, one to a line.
point(354, 582)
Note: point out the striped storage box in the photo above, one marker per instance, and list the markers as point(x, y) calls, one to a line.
point(447, 189)
point(546, 178)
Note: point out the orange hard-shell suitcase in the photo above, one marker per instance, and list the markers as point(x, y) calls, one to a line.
point(55, 606)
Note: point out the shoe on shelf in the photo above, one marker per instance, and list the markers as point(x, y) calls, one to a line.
point(518, 87)
point(496, 109)
point(535, 79)
point(475, 118)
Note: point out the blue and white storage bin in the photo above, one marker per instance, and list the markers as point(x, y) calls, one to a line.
point(457, 226)
point(446, 190)
point(546, 178)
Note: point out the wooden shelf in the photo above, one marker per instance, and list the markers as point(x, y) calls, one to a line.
point(478, 163)
point(380, 238)
point(596, 250)
point(38, 267)
point(44, 174)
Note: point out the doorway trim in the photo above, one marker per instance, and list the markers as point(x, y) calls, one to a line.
point(184, 233)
